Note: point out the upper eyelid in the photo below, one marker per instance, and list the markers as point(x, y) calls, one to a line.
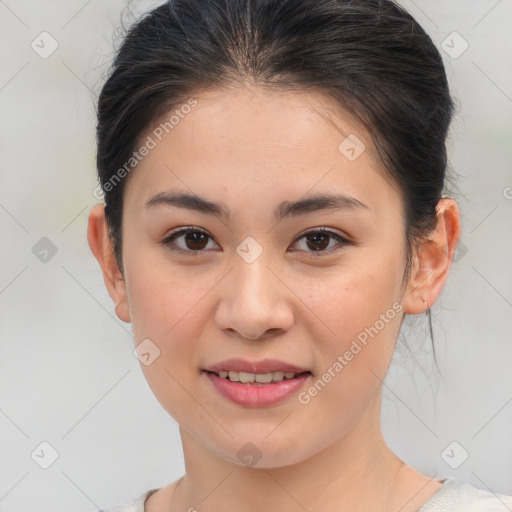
point(184, 229)
point(321, 229)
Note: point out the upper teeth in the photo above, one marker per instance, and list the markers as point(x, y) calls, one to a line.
point(256, 377)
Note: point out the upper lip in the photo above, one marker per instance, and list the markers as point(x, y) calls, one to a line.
point(263, 366)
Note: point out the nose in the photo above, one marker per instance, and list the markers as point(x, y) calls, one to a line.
point(254, 302)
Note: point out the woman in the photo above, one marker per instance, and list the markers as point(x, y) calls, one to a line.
point(273, 173)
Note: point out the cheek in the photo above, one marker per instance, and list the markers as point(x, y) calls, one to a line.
point(359, 316)
point(160, 293)
point(364, 311)
point(164, 304)
point(166, 309)
point(349, 298)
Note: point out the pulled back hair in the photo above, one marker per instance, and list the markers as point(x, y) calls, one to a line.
point(370, 56)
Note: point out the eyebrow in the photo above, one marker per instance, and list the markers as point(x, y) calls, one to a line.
point(315, 203)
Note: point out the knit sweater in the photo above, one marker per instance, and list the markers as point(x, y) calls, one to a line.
point(453, 496)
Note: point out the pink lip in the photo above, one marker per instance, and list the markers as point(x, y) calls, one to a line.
point(256, 395)
point(264, 366)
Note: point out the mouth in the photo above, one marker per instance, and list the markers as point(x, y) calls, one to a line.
point(258, 379)
point(256, 384)
point(261, 383)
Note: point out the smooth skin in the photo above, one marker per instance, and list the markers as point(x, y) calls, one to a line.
point(252, 149)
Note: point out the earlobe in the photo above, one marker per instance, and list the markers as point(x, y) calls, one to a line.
point(433, 259)
point(102, 248)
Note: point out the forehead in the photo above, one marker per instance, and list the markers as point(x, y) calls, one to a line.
point(256, 141)
point(246, 118)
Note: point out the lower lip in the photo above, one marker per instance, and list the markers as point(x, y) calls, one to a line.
point(257, 395)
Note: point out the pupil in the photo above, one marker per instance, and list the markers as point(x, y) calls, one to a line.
point(193, 240)
point(317, 239)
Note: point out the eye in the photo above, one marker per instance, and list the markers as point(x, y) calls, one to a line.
point(318, 241)
point(194, 240)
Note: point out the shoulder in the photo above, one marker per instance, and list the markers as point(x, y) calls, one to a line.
point(137, 505)
point(454, 496)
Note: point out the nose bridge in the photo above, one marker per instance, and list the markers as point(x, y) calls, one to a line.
point(254, 300)
point(254, 282)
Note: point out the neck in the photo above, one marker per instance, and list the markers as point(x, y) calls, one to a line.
point(356, 471)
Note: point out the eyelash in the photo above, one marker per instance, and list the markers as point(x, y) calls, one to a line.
point(168, 240)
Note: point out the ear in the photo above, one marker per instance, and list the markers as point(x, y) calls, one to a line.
point(433, 259)
point(102, 247)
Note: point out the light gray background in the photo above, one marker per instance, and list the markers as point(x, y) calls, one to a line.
point(68, 375)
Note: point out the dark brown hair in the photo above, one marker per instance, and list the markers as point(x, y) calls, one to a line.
point(370, 56)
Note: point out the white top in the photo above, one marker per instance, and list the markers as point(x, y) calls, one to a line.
point(451, 497)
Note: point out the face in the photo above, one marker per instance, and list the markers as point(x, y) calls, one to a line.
point(316, 286)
